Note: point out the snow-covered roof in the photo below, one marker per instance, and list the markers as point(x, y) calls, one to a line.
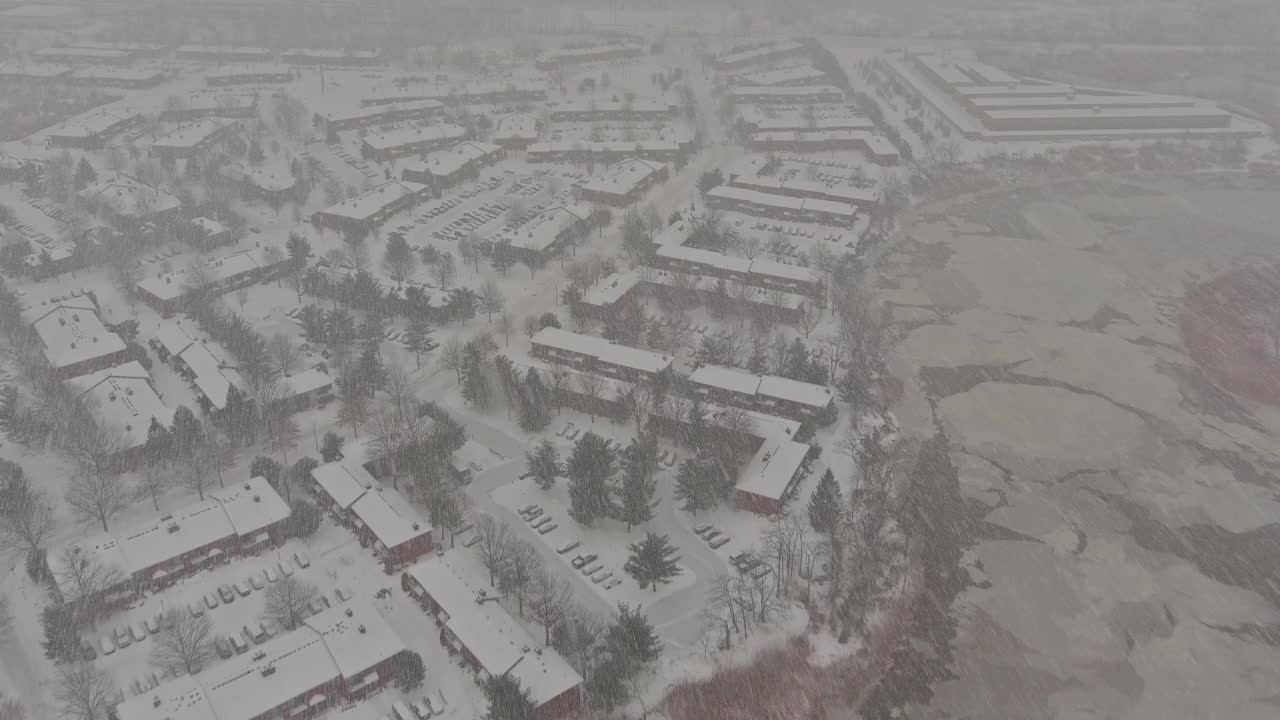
point(251, 506)
point(546, 228)
point(94, 124)
point(610, 289)
point(808, 188)
point(356, 636)
point(339, 643)
point(517, 126)
point(99, 549)
point(214, 102)
point(577, 54)
point(799, 73)
point(796, 391)
point(306, 381)
point(784, 91)
point(172, 285)
point(492, 636)
point(624, 176)
point(265, 178)
point(726, 378)
point(607, 146)
point(402, 137)
point(758, 53)
point(344, 482)
point(192, 134)
point(34, 71)
point(709, 258)
point(127, 197)
point(273, 673)
point(602, 350)
point(177, 698)
point(771, 469)
point(109, 75)
point(369, 203)
point(444, 163)
point(838, 119)
point(170, 536)
point(826, 208)
point(677, 234)
point(82, 53)
point(610, 106)
point(123, 397)
point(372, 114)
point(191, 50)
point(209, 226)
point(389, 517)
point(248, 71)
point(72, 333)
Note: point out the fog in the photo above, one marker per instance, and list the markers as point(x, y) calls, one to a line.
point(386, 360)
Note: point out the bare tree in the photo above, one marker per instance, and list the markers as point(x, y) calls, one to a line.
point(808, 319)
point(451, 357)
point(522, 564)
point(27, 526)
point(287, 600)
point(97, 497)
point(491, 298)
point(186, 643)
point(386, 440)
point(12, 710)
point(549, 600)
point(153, 481)
point(80, 579)
point(82, 691)
point(506, 323)
point(283, 353)
point(560, 380)
point(580, 634)
point(591, 386)
point(495, 542)
point(353, 411)
point(197, 470)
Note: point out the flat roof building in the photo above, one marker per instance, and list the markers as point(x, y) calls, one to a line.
point(167, 291)
point(416, 110)
point(754, 202)
point(371, 208)
point(326, 56)
point(192, 139)
point(551, 59)
point(797, 75)
point(123, 398)
point(516, 130)
point(410, 141)
point(74, 338)
point(223, 53)
point(116, 77)
point(786, 94)
point(492, 643)
point(91, 131)
point(619, 110)
point(209, 104)
point(446, 168)
point(764, 393)
point(336, 656)
point(33, 72)
point(125, 201)
point(606, 151)
point(250, 74)
point(84, 56)
point(379, 516)
point(624, 182)
point(593, 354)
point(741, 58)
point(546, 231)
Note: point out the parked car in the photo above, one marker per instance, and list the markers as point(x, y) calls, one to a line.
point(533, 514)
point(271, 575)
point(711, 535)
point(106, 645)
point(123, 638)
point(242, 589)
point(591, 569)
point(719, 542)
point(196, 609)
point(285, 570)
point(471, 542)
point(210, 600)
point(226, 593)
point(240, 644)
point(601, 576)
point(540, 522)
point(223, 646)
point(547, 528)
point(318, 605)
point(302, 559)
point(137, 632)
point(613, 583)
point(568, 547)
point(701, 529)
point(256, 633)
point(87, 653)
point(423, 710)
point(153, 624)
point(582, 560)
point(342, 594)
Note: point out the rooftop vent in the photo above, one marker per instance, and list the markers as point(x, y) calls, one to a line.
point(361, 629)
point(349, 613)
point(173, 528)
point(155, 701)
point(268, 671)
point(165, 517)
point(415, 527)
point(261, 654)
point(62, 321)
point(257, 498)
point(246, 486)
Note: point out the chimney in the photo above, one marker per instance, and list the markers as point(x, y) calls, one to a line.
point(362, 630)
point(349, 613)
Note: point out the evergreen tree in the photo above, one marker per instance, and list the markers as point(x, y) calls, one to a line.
point(503, 257)
point(475, 384)
point(535, 412)
point(544, 463)
point(507, 699)
point(639, 463)
point(631, 639)
point(61, 632)
point(653, 560)
point(398, 257)
point(85, 174)
point(408, 670)
point(159, 444)
point(304, 519)
point(606, 685)
point(299, 250)
point(695, 488)
point(268, 469)
point(331, 447)
point(371, 373)
point(186, 431)
point(590, 469)
point(825, 503)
